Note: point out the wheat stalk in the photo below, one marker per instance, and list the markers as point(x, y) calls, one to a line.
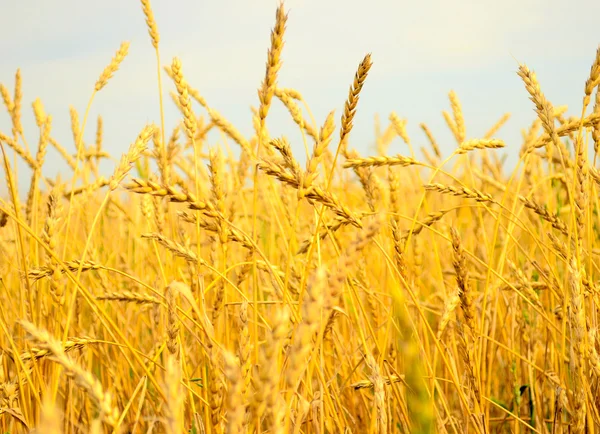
point(112, 67)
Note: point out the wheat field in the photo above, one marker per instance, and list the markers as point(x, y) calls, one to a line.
point(211, 288)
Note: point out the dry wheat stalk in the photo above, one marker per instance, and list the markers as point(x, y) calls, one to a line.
point(292, 93)
point(50, 418)
point(554, 220)
point(3, 218)
point(430, 219)
point(525, 285)
point(151, 23)
point(400, 127)
point(112, 67)
point(469, 145)
point(174, 403)
point(49, 236)
point(432, 141)
point(72, 343)
point(461, 191)
point(216, 389)
point(229, 129)
point(368, 180)
point(149, 187)
point(593, 356)
point(596, 126)
point(135, 151)
point(559, 245)
point(489, 180)
point(462, 280)
point(383, 140)
point(32, 196)
point(399, 248)
point(594, 174)
point(63, 152)
point(160, 154)
point(323, 234)
point(269, 83)
point(319, 149)
point(174, 247)
point(235, 394)
point(338, 279)
point(397, 160)
point(92, 153)
point(89, 188)
point(449, 308)
point(41, 272)
point(379, 394)
point(352, 101)
point(266, 380)
point(244, 356)
point(129, 297)
point(99, 134)
point(311, 319)
point(17, 104)
point(315, 193)
point(194, 93)
point(172, 322)
point(543, 107)
point(451, 124)
point(368, 384)
point(465, 351)
point(83, 379)
point(581, 195)
point(75, 127)
point(189, 119)
point(578, 346)
point(232, 233)
point(218, 300)
point(24, 154)
point(459, 120)
point(296, 113)
point(289, 162)
point(217, 180)
point(431, 159)
point(593, 79)
point(494, 129)
point(9, 393)
point(6, 98)
point(39, 112)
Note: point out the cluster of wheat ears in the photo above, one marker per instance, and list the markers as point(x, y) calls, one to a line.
point(241, 291)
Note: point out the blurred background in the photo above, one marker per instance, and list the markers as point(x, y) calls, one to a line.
point(421, 50)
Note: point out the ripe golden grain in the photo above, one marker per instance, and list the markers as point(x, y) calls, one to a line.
point(348, 296)
point(83, 379)
point(113, 66)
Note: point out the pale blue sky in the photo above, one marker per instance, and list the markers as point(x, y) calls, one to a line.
point(420, 49)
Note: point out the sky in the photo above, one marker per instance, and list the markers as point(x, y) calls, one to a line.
point(420, 50)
